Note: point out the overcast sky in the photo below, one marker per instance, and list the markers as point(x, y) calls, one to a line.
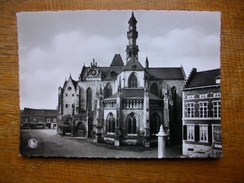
point(53, 45)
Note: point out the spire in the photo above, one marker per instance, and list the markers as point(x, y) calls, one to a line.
point(93, 63)
point(132, 20)
point(146, 63)
point(132, 34)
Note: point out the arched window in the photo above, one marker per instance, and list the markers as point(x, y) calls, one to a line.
point(173, 90)
point(110, 122)
point(108, 90)
point(132, 124)
point(154, 89)
point(154, 123)
point(89, 99)
point(133, 82)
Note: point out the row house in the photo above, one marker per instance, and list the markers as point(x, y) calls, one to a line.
point(202, 114)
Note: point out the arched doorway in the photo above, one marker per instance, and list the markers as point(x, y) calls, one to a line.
point(81, 130)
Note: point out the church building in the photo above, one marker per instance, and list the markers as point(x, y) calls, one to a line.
point(126, 102)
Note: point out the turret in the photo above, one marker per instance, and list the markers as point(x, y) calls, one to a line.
point(132, 34)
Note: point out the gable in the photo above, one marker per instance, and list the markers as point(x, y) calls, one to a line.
point(117, 61)
point(204, 78)
point(70, 82)
point(133, 64)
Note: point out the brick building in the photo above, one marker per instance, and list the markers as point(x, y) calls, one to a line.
point(201, 114)
point(31, 118)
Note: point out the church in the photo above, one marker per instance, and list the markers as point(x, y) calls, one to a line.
point(126, 102)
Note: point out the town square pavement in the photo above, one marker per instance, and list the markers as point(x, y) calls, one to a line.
point(49, 144)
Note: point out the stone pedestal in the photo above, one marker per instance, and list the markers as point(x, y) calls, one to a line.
point(161, 142)
point(147, 142)
point(116, 143)
point(98, 138)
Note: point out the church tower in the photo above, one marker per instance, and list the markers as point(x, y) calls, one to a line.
point(132, 34)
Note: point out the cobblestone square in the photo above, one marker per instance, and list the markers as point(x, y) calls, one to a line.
point(52, 145)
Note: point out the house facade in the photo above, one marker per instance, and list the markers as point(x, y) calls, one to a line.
point(32, 118)
point(202, 114)
point(125, 102)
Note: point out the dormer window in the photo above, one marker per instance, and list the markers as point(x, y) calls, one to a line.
point(113, 73)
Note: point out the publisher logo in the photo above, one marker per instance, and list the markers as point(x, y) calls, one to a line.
point(32, 143)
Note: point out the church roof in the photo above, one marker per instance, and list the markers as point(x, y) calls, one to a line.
point(134, 93)
point(133, 64)
point(166, 73)
point(114, 96)
point(74, 82)
point(203, 78)
point(117, 61)
point(110, 73)
point(153, 97)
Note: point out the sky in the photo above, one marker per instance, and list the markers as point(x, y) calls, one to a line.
point(55, 45)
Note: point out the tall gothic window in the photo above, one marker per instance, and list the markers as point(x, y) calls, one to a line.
point(154, 89)
point(108, 90)
point(173, 90)
point(154, 123)
point(132, 121)
point(133, 82)
point(89, 99)
point(110, 123)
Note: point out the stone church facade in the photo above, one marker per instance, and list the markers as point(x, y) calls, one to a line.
point(125, 103)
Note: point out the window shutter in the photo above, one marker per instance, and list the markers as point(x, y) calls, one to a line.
point(209, 133)
point(197, 133)
point(184, 132)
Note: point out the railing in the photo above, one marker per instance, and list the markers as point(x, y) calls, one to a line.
point(132, 104)
point(110, 104)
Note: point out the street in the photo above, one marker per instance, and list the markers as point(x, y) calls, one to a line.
point(49, 144)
